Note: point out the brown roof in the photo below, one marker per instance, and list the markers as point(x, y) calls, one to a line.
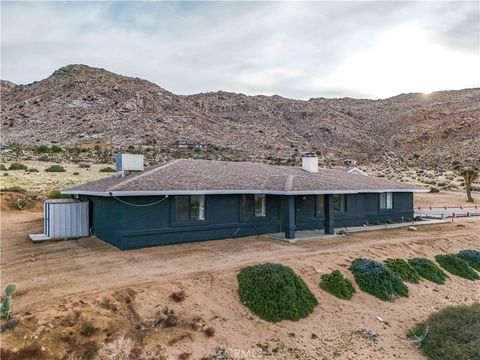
point(209, 176)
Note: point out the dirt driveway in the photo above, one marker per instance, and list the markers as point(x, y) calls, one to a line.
point(55, 279)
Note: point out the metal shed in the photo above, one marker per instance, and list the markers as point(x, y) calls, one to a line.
point(63, 219)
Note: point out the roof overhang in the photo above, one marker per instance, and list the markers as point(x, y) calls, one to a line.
point(227, 192)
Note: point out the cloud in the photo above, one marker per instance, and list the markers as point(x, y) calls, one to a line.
point(293, 49)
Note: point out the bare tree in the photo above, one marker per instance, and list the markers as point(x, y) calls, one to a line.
point(469, 174)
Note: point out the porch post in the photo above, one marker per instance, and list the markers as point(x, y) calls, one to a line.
point(289, 217)
point(329, 221)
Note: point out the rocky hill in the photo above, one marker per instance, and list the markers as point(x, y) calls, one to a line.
point(80, 105)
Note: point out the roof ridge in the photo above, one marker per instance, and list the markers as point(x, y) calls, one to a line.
point(289, 182)
point(145, 173)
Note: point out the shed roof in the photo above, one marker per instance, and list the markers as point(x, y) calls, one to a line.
point(188, 176)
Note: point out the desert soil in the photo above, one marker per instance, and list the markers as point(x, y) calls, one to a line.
point(79, 293)
point(445, 198)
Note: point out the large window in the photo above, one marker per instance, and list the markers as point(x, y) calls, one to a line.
point(320, 206)
point(339, 203)
point(254, 205)
point(189, 208)
point(386, 201)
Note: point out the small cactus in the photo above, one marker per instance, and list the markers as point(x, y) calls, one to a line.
point(7, 300)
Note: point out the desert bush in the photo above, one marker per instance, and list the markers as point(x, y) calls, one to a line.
point(55, 168)
point(403, 269)
point(42, 149)
point(209, 331)
point(22, 202)
point(452, 333)
point(178, 296)
point(119, 349)
point(377, 280)
point(456, 266)
point(434, 190)
point(56, 149)
point(33, 170)
point(56, 194)
point(107, 169)
point(472, 257)
point(428, 270)
point(17, 166)
point(338, 285)
point(14, 188)
point(275, 293)
point(3, 167)
point(76, 173)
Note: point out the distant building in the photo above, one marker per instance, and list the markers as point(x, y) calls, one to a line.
point(182, 144)
point(6, 148)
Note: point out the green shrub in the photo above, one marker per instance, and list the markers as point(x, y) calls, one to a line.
point(337, 284)
point(15, 188)
point(275, 293)
point(56, 194)
point(22, 202)
point(17, 166)
point(108, 169)
point(434, 190)
point(3, 167)
point(76, 173)
point(428, 270)
point(55, 168)
point(456, 266)
point(472, 257)
point(377, 280)
point(42, 149)
point(33, 170)
point(403, 270)
point(453, 333)
point(56, 149)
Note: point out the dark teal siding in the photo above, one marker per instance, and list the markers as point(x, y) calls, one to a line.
point(128, 227)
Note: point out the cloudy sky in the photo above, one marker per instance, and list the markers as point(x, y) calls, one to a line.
point(294, 49)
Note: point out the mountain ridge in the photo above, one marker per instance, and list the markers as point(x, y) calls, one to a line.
point(80, 105)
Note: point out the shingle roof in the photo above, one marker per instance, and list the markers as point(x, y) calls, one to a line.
point(208, 176)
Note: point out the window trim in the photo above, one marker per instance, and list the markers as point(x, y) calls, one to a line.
point(343, 211)
point(175, 221)
point(386, 208)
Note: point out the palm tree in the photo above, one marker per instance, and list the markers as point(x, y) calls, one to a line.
point(469, 174)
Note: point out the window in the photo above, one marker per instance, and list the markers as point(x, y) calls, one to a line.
point(254, 205)
point(386, 201)
point(189, 208)
point(339, 203)
point(319, 206)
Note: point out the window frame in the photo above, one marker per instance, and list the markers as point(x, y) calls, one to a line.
point(251, 214)
point(177, 221)
point(343, 209)
point(317, 202)
point(383, 204)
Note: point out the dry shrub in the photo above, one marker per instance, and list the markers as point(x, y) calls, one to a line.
point(87, 329)
point(179, 338)
point(165, 319)
point(119, 349)
point(178, 296)
point(29, 352)
point(184, 356)
point(209, 331)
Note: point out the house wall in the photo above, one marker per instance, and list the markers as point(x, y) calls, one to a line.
point(128, 227)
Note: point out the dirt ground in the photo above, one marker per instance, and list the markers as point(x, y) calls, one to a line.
point(445, 198)
point(80, 294)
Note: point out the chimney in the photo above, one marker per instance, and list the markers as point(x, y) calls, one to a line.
point(127, 163)
point(310, 162)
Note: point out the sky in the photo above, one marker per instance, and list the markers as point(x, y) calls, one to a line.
point(361, 49)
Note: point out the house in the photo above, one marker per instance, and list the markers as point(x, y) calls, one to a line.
point(192, 200)
point(6, 148)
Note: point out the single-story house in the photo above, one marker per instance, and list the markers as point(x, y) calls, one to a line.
point(193, 200)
